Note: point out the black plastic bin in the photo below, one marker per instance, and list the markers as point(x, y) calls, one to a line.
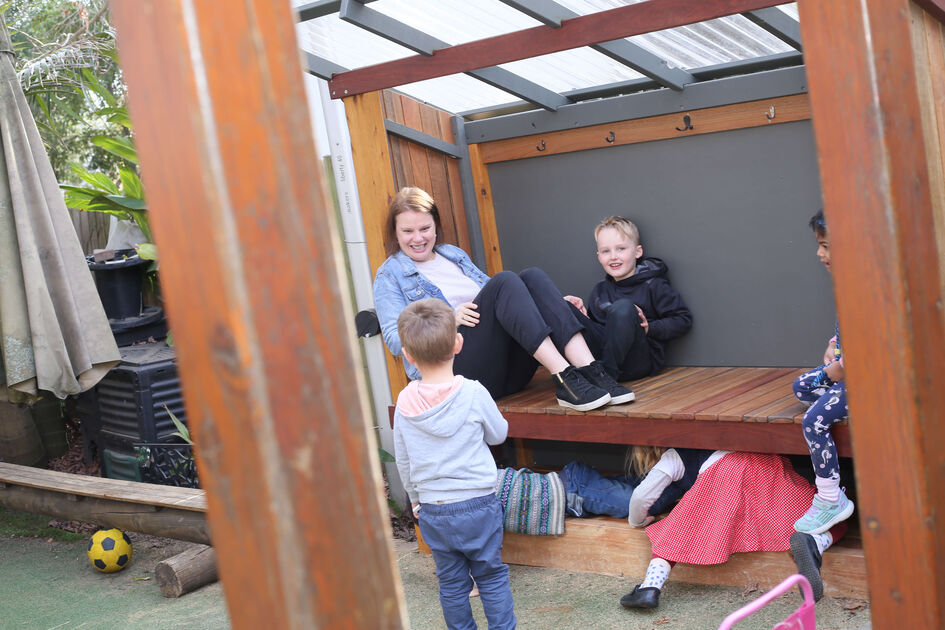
point(119, 283)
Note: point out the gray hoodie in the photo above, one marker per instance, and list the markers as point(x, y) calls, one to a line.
point(442, 453)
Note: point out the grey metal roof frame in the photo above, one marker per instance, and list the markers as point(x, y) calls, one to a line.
point(416, 40)
point(656, 71)
point(551, 13)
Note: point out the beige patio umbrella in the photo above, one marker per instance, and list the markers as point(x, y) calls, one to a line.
point(54, 334)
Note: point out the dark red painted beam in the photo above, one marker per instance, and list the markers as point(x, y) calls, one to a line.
point(603, 26)
point(935, 8)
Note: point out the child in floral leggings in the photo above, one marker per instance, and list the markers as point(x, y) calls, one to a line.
point(824, 390)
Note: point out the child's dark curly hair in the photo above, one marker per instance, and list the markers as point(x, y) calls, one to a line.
point(818, 224)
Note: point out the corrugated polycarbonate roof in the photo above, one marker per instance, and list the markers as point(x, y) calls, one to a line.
point(718, 41)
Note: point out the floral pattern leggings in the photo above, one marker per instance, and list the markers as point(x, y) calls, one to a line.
point(828, 405)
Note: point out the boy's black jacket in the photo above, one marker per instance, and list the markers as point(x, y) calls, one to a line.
point(648, 288)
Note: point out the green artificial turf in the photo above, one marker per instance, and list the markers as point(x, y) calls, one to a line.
point(25, 525)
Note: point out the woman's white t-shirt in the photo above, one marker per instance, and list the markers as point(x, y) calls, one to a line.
point(449, 279)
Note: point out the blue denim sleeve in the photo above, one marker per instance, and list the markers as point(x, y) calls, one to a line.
point(389, 301)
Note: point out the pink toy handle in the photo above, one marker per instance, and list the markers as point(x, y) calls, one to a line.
point(761, 602)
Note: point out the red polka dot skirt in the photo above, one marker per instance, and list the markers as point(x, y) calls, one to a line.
point(743, 502)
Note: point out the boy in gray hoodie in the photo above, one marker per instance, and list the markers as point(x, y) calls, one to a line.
point(443, 426)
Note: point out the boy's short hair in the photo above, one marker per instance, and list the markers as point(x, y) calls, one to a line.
point(427, 331)
point(818, 224)
point(622, 225)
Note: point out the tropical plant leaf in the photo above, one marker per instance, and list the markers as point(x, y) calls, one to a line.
point(182, 431)
point(98, 180)
point(118, 115)
point(122, 147)
point(386, 457)
point(128, 203)
point(131, 183)
point(147, 251)
point(92, 82)
point(78, 198)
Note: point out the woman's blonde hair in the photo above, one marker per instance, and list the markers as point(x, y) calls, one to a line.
point(408, 199)
point(641, 459)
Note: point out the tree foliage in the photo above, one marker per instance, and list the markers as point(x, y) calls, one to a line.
point(66, 63)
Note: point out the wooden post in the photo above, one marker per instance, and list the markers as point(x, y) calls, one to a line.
point(371, 156)
point(251, 270)
point(880, 150)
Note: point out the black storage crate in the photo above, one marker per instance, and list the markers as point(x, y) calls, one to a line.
point(133, 395)
point(131, 403)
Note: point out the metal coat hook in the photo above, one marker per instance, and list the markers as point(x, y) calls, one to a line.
point(610, 137)
point(540, 147)
point(687, 123)
point(770, 113)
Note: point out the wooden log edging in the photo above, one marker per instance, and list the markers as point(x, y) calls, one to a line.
point(177, 513)
point(187, 571)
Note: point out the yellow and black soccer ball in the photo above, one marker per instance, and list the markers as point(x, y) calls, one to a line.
point(109, 550)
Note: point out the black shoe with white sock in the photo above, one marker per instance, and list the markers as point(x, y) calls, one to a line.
point(597, 375)
point(808, 559)
point(576, 392)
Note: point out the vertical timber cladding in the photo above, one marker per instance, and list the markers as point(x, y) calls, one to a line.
point(415, 165)
point(385, 163)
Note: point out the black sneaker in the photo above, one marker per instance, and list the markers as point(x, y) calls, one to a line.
point(576, 392)
point(597, 375)
point(808, 560)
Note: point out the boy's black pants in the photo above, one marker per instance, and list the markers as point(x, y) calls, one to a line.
point(620, 343)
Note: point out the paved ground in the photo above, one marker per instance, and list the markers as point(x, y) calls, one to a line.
point(47, 583)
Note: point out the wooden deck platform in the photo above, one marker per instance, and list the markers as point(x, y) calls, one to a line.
point(727, 408)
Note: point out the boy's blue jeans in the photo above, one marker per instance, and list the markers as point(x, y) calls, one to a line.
point(466, 540)
point(610, 496)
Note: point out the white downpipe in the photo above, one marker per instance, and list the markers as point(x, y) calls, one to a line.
point(339, 143)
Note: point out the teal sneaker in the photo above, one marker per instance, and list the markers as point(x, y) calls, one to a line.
point(822, 515)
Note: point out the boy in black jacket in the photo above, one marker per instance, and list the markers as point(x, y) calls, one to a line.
point(633, 311)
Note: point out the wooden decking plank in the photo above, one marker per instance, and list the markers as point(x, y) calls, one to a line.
point(733, 409)
point(790, 414)
point(536, 398)
point(762, 377)
point(764, 412)
point(101, 487)
point(663, 394)
point(688, 395)
point(539, 396)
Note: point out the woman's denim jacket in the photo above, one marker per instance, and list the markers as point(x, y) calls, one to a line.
point(398, 283)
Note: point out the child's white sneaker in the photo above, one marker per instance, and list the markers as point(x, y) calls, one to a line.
point(822, 515)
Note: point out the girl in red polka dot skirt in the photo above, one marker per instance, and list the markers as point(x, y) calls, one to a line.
point(738, 502)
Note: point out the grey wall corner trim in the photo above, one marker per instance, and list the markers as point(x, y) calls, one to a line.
point(470, 199)
point(423, 139)
point(728, 91)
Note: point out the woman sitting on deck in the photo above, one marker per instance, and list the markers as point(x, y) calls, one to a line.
point(510, 323)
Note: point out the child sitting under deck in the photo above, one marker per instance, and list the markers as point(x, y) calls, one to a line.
point(738, 502)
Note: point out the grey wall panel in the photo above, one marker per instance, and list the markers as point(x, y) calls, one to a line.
point(728, 213)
